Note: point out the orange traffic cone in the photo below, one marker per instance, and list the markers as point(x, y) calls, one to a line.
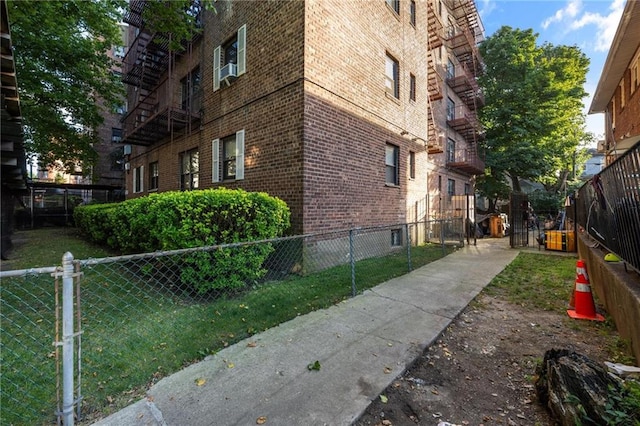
point(582, 278)
point(581, 305)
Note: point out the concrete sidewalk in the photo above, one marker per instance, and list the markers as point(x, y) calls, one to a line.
point(362, 345)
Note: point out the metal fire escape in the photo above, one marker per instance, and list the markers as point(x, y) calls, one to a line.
point(156, 108)
point(462, 39)
point(435, 142)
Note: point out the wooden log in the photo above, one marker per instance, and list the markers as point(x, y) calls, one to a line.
point(574, 388)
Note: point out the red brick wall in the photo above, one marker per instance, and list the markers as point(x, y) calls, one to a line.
point(314, 110)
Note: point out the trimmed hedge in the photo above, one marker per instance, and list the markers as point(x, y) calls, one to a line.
point(175, 220)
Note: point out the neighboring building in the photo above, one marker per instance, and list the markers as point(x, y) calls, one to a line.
point(109, 169)
point(325, 104)
point(455, 30)
point(618, 91)
point(594, 164)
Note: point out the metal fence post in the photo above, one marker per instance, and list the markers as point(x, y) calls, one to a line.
point(67, 339)
point(353, 264)
point(408, 234)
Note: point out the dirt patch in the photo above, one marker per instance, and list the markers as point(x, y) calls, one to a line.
point(481, 371)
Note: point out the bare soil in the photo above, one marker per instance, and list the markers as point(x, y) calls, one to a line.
point(482, 369)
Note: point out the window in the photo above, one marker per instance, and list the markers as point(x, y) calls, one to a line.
point(622, 98)
point(138, 179)
point(153, 176)
point(451, 69)
point(392, 157)
point(440, 8)
point(116, 135)
point(451, 187)
point(634, 77)
point(231, 151)
point(190, 90)
point(189, 170)
point(451, 150)
point(451, 109)
point(392, 84)
point(117, 159)
point(412, 12)
point(395, 5)
point(439, 183)
point(412, 87)
point(412, 165)
point(467, 189)
point(396, 237)
point(234, 51)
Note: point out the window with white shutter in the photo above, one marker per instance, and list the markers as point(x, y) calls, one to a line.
point(233, 51)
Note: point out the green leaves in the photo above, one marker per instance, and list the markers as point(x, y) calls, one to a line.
point(314, 366)
point(63, 69)
point(533, 115)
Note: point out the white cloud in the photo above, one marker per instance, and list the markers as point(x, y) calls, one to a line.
point(572, 18)
point(570, 11)
point(486, 7)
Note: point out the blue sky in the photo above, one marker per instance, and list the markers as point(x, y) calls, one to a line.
point(588, 24)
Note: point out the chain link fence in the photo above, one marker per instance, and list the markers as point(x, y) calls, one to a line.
point(141, 317)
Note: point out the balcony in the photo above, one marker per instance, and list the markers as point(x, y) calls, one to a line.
point(466, 160)
point(158, 115)
point(460, 118)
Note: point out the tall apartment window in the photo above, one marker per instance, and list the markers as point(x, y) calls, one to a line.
point(412, 165)
point(392, 74)
point(228, 157)
point(234, 51)
point(116, 135)
point(622, 97)
point(392, 160)
point(451, 150)
point(154, 173)
point(190, 88)
point(138, 179)
point(451, 69)
point(412, 11)
point(189, 170)
point(451, 109)
point(451, 187)
point(117, 159)
point(439, 183)
point(412, 87)
point(440, 8)
point(634, 77)
point(467, 189)
point(395, 5)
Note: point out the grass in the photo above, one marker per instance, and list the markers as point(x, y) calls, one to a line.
point(134, 332)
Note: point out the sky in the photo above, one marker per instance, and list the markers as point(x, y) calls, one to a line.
point(588, 24)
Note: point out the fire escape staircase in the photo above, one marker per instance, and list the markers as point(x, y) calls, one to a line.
point(462, 39)
point(157, 110)
point(435, 81)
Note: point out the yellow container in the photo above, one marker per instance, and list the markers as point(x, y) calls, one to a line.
point(561, 240)
point(496, 227)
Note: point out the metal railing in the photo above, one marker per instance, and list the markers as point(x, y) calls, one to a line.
point(89, 336)
point(608, 207)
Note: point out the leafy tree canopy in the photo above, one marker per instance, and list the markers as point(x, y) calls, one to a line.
point(63, 70)
point(65, 76)
point(533, 115)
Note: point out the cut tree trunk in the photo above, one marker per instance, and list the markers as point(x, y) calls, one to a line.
point(574, 388)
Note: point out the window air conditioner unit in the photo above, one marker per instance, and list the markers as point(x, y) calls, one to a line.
point(228, 73)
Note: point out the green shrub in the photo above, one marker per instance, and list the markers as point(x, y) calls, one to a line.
point(175, 220)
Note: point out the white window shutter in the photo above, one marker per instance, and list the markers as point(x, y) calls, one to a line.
point(215, 152)
point(240, 155)
point(216, 68)
point(242, 50)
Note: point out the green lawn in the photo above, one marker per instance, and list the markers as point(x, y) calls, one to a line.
point(137, 328)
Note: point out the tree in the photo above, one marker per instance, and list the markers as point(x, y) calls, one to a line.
point(63, 70)
point(533, 115)
point(65, 76)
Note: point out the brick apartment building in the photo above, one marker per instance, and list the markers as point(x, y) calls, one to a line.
point(326, 104)
point(618, 92)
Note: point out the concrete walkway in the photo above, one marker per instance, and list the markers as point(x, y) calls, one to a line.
point(362, 345)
